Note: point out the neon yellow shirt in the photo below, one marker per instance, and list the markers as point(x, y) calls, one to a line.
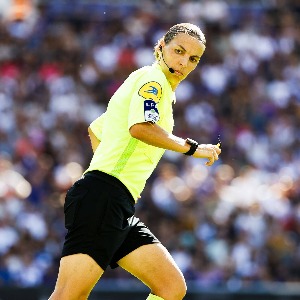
point(145, 96)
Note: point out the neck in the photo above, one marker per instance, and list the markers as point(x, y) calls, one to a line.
point(170, 77)
point(174, 86)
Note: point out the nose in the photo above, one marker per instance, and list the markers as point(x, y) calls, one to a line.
point(184, 61)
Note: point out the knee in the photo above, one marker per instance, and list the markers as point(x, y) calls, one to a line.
point(178, 289)
point(67, 294)
point(174, 289)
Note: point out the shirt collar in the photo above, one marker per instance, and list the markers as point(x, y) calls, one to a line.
point(158, 67)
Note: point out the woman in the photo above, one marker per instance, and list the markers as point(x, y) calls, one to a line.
point(128, 141)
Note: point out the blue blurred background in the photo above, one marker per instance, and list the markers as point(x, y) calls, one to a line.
point(234, 225)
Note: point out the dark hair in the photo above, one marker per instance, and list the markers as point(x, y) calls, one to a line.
point(186, 28)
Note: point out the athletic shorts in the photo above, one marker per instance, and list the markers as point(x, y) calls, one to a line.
point(99, 216)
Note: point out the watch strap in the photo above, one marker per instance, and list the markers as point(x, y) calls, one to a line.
point(194, 145)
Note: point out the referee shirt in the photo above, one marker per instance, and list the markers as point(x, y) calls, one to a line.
point(145, 96)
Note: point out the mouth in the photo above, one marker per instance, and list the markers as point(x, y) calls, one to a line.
point(178, 73)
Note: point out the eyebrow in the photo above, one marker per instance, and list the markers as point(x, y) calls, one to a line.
point(197, 56)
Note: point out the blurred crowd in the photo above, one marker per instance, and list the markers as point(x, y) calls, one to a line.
point(236, 223)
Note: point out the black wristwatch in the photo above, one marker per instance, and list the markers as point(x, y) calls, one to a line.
point(194, 146)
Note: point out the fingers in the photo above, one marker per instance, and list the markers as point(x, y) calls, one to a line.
point(214, 151)
point(209, 151)
point(209, 163)
point(213, 157)
point(218, 148)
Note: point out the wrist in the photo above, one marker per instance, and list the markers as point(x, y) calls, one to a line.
point(193, 147)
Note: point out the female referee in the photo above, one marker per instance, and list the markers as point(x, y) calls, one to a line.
point(128, 141)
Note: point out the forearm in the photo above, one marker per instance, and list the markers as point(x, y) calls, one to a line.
point(154, 135)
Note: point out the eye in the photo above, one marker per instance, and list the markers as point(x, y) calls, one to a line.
point(178, 51)
point(194, 60)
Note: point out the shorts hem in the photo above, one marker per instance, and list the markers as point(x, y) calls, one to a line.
point(102, 265)
point(114, 263)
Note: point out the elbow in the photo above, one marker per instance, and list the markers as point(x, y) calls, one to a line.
point(135, 131)
point(140, 131)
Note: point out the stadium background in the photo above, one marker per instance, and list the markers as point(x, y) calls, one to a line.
point(234, 228)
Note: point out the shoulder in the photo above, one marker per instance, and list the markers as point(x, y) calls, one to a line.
point(150, 82)
point(150, 73)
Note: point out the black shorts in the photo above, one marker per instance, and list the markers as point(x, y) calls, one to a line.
point(99, 217)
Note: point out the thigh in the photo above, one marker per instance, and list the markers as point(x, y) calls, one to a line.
point(78, 274)
point(154, 266)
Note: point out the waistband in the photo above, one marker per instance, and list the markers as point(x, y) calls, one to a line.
point(110, 179)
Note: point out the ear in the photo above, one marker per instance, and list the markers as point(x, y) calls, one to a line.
point(161, 45)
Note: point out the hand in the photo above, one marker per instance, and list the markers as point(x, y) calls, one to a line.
point(209, 151)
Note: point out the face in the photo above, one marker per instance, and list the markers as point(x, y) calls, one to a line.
point(182, 54)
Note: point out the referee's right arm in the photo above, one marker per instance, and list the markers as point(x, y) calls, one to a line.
point(94, 140)
point(95, 131)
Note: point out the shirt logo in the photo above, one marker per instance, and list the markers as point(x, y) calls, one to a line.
point(150, 111)
point(151, 91)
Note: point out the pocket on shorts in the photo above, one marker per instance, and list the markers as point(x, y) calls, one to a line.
point(73, 199)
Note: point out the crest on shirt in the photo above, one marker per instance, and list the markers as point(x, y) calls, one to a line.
point(151, 91)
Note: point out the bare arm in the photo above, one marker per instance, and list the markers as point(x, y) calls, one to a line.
point(154, 135)
point(94, 140)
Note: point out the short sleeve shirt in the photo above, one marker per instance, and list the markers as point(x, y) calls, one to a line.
point(145, 96)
